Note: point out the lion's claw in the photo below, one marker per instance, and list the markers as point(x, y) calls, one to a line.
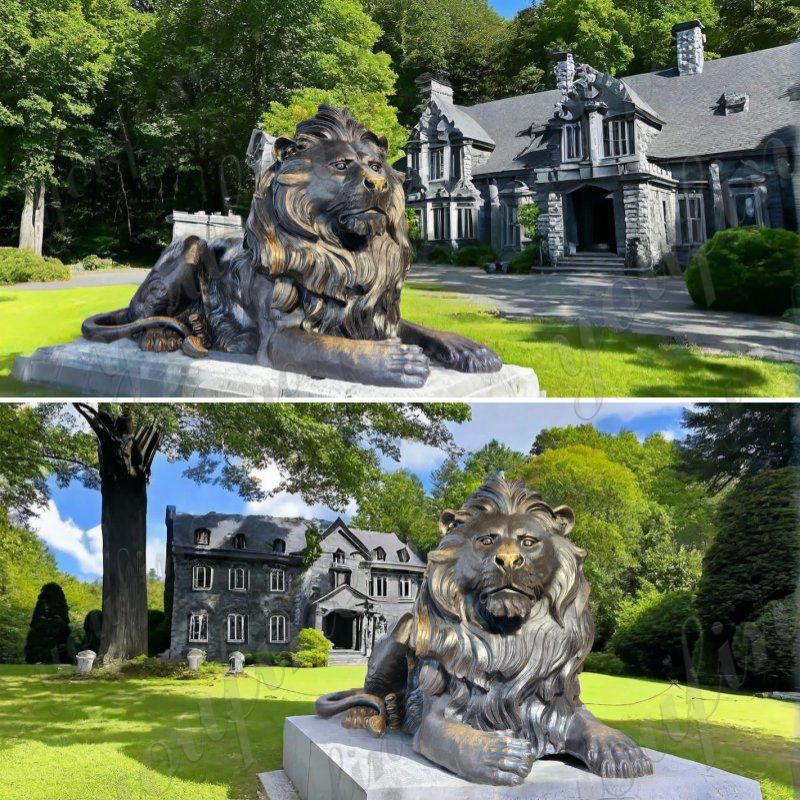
point(617, 757)
point(506, 760)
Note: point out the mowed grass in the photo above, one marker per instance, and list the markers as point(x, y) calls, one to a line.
point(207, 739)
point(570, 360)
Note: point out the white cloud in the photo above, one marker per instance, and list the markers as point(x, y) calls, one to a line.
point(285, 504)
point(64, 536)
point(669, 435)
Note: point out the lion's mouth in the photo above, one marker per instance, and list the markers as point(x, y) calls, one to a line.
point(507, 601)
point(361, 212)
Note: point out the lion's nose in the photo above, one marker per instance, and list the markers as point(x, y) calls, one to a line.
point(373, 184)
point(508, 560)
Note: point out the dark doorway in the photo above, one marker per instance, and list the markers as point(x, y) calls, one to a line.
point(342, 628)
point(594, 220)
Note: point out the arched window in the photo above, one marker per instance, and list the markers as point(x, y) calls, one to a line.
point(202, 577)
point(279, 546)
point(402, 555)
point(198, 626)
point(239, 541)
point(202, 537)
point(278, 629)
point(277, 580)
point(237, 627)
point(380, 554)
point(339, 556)
point(238, 579)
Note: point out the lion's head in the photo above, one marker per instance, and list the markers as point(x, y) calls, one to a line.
point(503, 611)
point(327, 223)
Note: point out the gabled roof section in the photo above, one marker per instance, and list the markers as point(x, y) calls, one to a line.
point(368, 541)
point(458, 117)
point(345, 588)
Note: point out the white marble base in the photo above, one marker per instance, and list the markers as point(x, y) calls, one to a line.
point(121, 369)
point(324, 761)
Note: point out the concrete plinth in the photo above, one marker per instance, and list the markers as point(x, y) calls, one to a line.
point(323, 761)
point(121, 369)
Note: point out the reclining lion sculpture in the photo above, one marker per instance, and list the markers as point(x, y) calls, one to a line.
point(484, 672)
point(313, 285)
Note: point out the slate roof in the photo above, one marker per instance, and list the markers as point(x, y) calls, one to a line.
point(685, 103)
point(261, 531)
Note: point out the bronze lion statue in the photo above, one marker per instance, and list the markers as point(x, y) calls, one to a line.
point(313, 285)
point(484, 674)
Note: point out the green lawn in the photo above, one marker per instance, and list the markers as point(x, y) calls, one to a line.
point(570, 360)
point(198, 740)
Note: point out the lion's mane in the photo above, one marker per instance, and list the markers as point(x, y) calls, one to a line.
point(345, 292)
point(526, 681)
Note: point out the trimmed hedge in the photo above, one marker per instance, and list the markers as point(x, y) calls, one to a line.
point(475, 255)
point(23, 266)
point(746, 269)
point(656, 633)
point(605, 663)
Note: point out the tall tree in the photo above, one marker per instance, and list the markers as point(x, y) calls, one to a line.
point(49, 635)
point(325, 452)
point(729, 441)
point(746, 25)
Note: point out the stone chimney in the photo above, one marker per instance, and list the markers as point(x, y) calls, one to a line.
point(565, 72)
point(689, 41)
point(430, 87)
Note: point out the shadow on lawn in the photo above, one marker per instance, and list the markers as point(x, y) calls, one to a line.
point(167, 728)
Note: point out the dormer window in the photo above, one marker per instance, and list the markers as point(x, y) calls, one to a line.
point(571, 142)
point(617, 137)
point(436, 164)
point(279, 546)
point(202, 537)
point(733, 102)
point(239, 542)
point(339, 557)
point(380, 554)
point(403, 556)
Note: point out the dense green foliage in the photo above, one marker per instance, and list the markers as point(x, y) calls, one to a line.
point(655, 634)
point(92, 627)
point(311, 649)
point(22, 266)
point(474, 255)
point(439, 255)
point(746, 269)
point(604, 662)
point(49, 638)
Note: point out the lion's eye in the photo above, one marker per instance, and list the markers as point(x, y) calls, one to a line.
point(376, 167)
point(529, 541)
point(486, 540)
point(341, 166)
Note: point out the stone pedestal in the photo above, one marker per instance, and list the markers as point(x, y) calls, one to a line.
point(323, 761)
point(121, 370)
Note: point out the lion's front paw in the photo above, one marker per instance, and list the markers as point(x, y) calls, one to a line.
point(160, 340)
point(613, 755)
point(365, 718)
point(462, 354)
point(399, 364)
point(504, 760)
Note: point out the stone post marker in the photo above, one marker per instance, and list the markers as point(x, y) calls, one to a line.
point(195, 658)
point(85, 662)
point(236, 663)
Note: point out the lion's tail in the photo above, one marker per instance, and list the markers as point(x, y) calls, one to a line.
point(109, 326)
point(336, 702)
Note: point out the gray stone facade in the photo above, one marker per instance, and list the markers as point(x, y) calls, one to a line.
point(239, 583)
point(642, 169)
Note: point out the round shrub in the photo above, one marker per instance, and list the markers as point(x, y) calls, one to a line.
point(311, 649)
point(440, 255)
point(262, 658)
point(746, 269)
point(524, 261)
point(605, 663)
point(283, 659)
point(92, 263)
point(23, 266)
point(656, 633)
point(474, 255)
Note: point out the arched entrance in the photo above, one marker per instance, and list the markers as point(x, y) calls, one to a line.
point(593, 228)
point(343, 628)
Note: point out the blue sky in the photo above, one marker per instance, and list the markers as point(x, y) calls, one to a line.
point(70, 525)
point(508, 7)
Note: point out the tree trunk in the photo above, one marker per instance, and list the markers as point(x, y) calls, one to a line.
point(31, 226)
point(125, 456)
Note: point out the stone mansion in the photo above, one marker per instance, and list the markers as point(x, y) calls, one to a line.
point(626, 172)
point(243, 583)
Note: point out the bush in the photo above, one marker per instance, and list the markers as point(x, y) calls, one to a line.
point(440, 255)
point(49, 636)
point(605, 663)
point(262, 658)
point(92, 263)
point(22, 266)
point(655, 634)
point(524, 261)
point(311, 649)
point(92, 627)
point(474, 255)
point(158, 632)
point(765, 648)
point(746, 269)
point(282, 659)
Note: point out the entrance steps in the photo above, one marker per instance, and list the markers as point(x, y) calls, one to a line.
point(595, 263)
point(345, 658)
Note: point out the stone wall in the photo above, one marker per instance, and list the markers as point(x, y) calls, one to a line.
point(555, 226)
point(206, 226)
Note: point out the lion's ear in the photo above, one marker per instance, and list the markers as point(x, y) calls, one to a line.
point(283, 148)
point(446, 520)
point(383, 143)
point(565, 517)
